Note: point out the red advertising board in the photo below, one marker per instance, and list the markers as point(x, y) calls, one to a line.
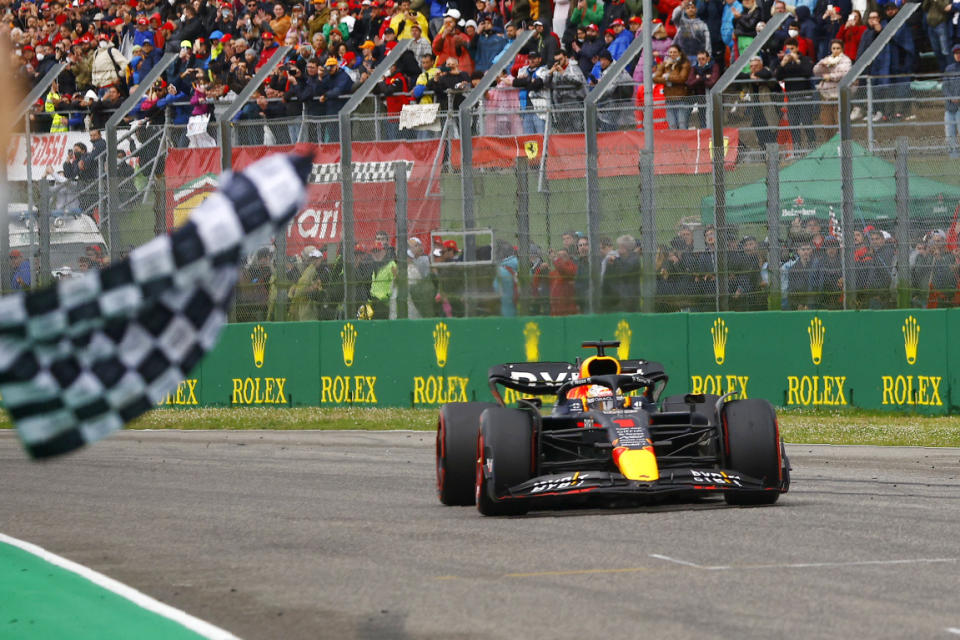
point(191, 176)
point(676, 151)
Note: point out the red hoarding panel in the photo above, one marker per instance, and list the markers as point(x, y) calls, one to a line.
point(191, 177)
point(676, 152)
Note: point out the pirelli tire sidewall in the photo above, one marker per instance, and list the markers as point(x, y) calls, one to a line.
point(456, 455)
point(505, 458)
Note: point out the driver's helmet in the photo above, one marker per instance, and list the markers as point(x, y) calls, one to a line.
point(601, 399)
point(596, 397)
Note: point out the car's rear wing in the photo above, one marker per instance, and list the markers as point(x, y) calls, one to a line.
point(546, 378)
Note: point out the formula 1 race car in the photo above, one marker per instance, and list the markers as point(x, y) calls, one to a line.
point(608, 436)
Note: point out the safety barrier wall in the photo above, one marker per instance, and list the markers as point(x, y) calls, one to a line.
point(888, 360)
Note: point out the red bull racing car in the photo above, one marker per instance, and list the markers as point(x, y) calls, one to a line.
point(609, 436)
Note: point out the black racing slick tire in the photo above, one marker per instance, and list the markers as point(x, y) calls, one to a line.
point(505, 458)
point(707, 408)
point(457, 429)
point(753, 447)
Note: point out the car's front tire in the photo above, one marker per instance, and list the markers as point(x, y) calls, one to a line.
point(753, 447)
point(505, 458)
point(457, 428)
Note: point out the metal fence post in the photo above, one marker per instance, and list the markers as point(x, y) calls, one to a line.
point(39, 90)
point(594, 211)
point(773, 224)
point(400, 191)
point(522, 170)
point(29, 134)
point(5, 271)
point(346, 169)
point(846, 150)
point(113, 182)
point(903, 223)
point(226, 141)
point(648, 236)
point(719, 176)
point(465, 118)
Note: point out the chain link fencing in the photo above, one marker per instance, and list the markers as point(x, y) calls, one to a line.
point(517, 241)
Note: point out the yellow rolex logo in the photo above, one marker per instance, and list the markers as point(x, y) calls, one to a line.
point(259, 340)
point(816, 331)
point(348, 342)
point(441, 343)
point(531, 148)
point(531, 341)
point(623, 334)
point(719, 332)
point(911, 339)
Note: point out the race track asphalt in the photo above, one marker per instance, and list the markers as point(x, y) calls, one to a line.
point(339, 535)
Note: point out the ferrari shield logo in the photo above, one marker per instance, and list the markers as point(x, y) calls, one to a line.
point(532, 149)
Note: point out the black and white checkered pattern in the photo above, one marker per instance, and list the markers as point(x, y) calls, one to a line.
point(80, 359)
point(363, 172)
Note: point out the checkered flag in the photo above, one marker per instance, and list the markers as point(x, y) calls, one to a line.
point(80, 359)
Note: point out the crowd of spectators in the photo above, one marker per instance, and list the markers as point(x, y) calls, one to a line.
point(110, 45)
point(557, 280)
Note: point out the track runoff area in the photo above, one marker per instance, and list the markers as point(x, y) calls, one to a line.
point(44, 595)
point(305, 534)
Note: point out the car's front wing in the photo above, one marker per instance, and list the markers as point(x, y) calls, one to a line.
point(611, 483)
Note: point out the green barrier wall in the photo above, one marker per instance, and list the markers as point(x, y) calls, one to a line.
point(895, 360)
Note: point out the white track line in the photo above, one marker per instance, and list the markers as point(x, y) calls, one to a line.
point(802, 565)
point(953, 630)
point(142, 600)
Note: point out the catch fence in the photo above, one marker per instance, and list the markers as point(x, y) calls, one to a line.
point(525, 232)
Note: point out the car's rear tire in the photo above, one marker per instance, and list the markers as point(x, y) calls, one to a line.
point(457, 429)
point(505, 458)
point(753, 447)
point(707, 408)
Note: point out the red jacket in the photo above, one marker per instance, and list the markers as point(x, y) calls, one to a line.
point(563, 295)
point(398, 84)
point(851, 39)
point(454, 45)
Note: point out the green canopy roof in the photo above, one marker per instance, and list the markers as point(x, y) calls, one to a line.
point(811, 186)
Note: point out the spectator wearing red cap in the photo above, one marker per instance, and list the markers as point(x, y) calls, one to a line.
point(143, 31)
point(269, 47)
point(225, 22)
point(162, 35)
point(20, 266)
point(588, 52)
point(621, 39)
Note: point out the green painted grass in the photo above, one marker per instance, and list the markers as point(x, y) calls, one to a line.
point(801, 427)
